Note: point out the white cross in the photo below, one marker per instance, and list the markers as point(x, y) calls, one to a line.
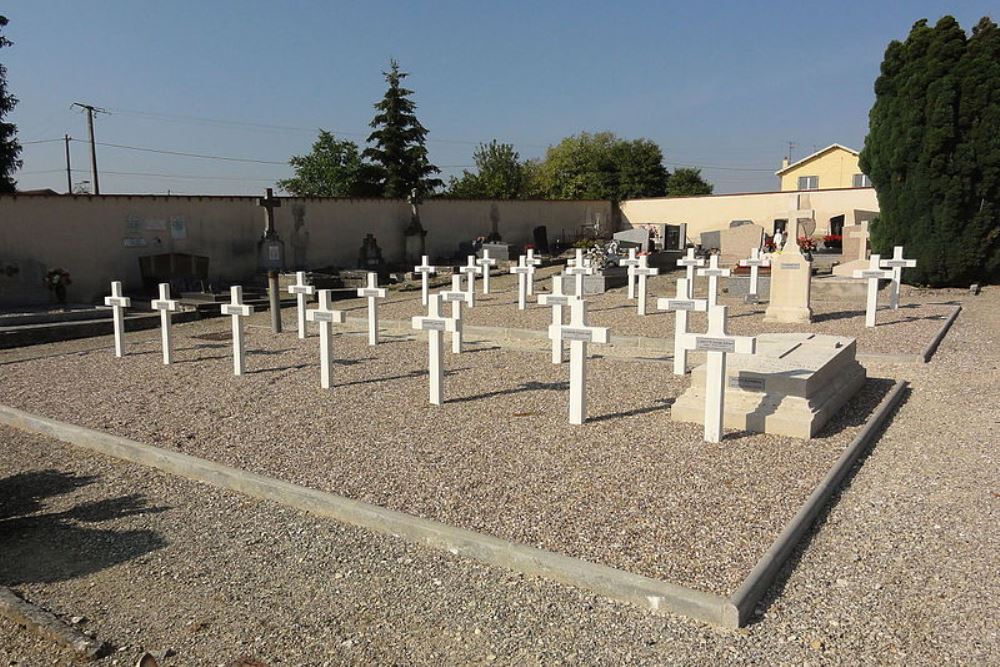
point(301, 290)
point(897, 264)
point(755, 262)
point(714, 273)
point(872, 274)
point(524, 273)
point(631, 262)
point(434, 324)
point(578, 268)
point(471, 270)
point(531, 261)
point(557, 300)
point(372, 291)
point(681, 305)
point(717, 343)
point(237, 310)
point(578, 334)
point(641, 272)
point(425, 270)
point(326, 317)
point(118, 305)
point(689, 261)
point(486, 263)
point(166, 306)
point(456, 296)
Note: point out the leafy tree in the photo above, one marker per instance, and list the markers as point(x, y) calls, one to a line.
point(500, 174)
point(10, 149)
point(688, 182)
point(933, 155)
point(640, 169)
point(333, 169)
point(399, 139)
point(602, 166)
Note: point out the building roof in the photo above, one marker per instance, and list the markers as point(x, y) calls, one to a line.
point(814, 156)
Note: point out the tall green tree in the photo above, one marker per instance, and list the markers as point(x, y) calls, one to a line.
point(640, 169)
point(10, 149)
point(602, 166)
point(332, 169)
point(931, 152)
point(688, 182)
point(500, 174)
point(399, 139)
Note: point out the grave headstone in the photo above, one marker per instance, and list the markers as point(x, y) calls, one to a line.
point(734, 241)
point(486, 263)
point(118, 302)
point(791, 278)
point(301, 290)
point(872, 274)
point(237, 310)
point(435, 324)
point(457, 296)
point(325, 316)
point(165, 305)
point(556, 300)
point(425, 270)
point(641, 272)
point(682, 304)
point(854, 250)
point(689, 262)
point(578, 333)
point(713, 272)
point(896, 263)
point(373, 292)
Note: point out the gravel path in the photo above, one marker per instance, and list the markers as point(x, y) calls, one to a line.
point(904, 331)
point(499, 457)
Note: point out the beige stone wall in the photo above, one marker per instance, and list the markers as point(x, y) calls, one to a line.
point(715, 212)
point(101, 238)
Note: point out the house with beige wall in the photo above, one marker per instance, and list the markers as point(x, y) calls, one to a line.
point(832, 168)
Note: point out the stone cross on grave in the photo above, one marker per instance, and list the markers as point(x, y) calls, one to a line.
point(269, 202)
point(681, 305)
point(118, 303)
point(872, 274)
point(631, 262)
point(755, 262)
point(425, 270)
point(714, 273)
point(793, 224)
point(301, 290)
point(486, 263)
point(717, 343)
point(523, 271)
point(166, 306)
point(372, 291)
point(641, 272)
point(456, 295)
point(237, 310)
point(471, 270)
point(578, 334)
point(325, 316)
point(557, 300)
point(689, 262)
point(434, 324)
point(897, 264)
point(533, 262)
point(578, 268)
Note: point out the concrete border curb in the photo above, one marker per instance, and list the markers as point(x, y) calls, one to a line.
point(933, 345)
point(767, 568)
point(657, 596)
point(45, 624)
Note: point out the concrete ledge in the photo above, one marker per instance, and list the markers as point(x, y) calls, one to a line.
point(45, 624)
point(933, 345)
point(657, 596)
point(764, 573)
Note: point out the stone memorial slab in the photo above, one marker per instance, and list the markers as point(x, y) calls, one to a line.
point(733, 242)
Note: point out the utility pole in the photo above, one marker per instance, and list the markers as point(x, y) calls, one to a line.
point(91, 110)
point(69, 170)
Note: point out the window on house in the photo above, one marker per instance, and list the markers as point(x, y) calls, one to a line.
point(808, 182)
point(862, 181)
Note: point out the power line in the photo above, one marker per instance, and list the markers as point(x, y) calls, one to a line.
point(39, 141)
point(194, 155)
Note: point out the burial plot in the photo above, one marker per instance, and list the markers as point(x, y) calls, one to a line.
point(325, 316)
point(578, 333)
point(373, 292)
point(641, 272)
point(896, 263)
point(165, 305)
point(681, 305)
point(435, 324)
point(524, 272)
point(792, 385)
point(301, 290)
point(237, 310)
point(713, 272)
point(556, 300)
point(457, 296)
point(471, 270)
point(118, 303)
point(425, 270)
point(631, 262)
point(872, 274)
point(486, 263)
point(689, 262)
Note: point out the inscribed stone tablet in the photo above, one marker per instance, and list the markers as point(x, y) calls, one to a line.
point(751, 298)
point(679, 304)
point(433, 325)
point(556, 300)
point(715, 344)
point(578, 334)
point(791, 266)
point(895, 262)
point(747, 384)
point(872, 274)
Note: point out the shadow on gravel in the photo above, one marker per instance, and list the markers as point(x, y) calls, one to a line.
point(661, 404)
point(841, 315)
point(527, 386)
point(45, 547)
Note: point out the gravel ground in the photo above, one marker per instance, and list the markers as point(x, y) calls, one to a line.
point(901, 569)
point(499, 457)
point(904, 331)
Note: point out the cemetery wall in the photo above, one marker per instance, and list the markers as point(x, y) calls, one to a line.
point(100, 238)
point(715, 212)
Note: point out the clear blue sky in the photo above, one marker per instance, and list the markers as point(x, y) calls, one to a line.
point(721, 84)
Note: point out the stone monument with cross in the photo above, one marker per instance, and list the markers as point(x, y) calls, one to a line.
point(755, 262)
point(872, 274)
point(896, 263)
point(713, 273)
point(631, 262)
point(456, 296)
point(271, 255)
point(854, 250)
point(486, 263)
point(791, 276)
point(165, 305)
point(237, 310)
point(682, 304)
point(689, 262)
point(118, 303)
point(578, 333)
point(325, 316)
point(717, 343)
point(556, 299)
point(373, 292)
point(471, 270)
point(435, 325)
point(523, 271)
point(641, 272)
point(426, 271)
point(301, 289)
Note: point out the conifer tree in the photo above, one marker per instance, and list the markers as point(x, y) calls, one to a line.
point(10, 149)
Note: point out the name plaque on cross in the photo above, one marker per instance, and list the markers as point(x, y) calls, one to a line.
point(715, 344)
point(871, 274)
point(557, 300)
point(680, 304)
point(585, 335)
point(434, 325)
